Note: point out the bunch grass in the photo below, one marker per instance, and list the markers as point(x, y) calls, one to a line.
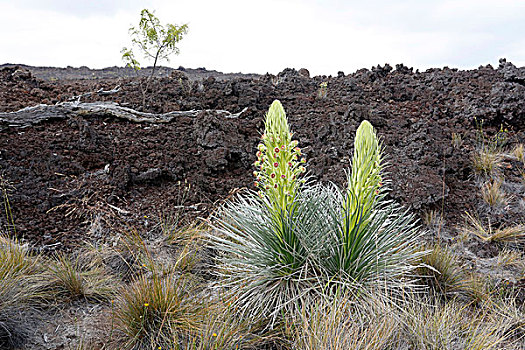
point(441, 272)
point(22, 287)
point(519, 152)
point(156, 312)
point(493, 194)
point(70, 279)
point(432, 325)
point(343, 323)
point(487, 162)
point(508, 235)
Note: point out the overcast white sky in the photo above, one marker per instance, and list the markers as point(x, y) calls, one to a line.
point(270, 35)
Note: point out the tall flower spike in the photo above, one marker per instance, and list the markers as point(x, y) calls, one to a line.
point(277, 123)
point(365, 178)
point(279, 165)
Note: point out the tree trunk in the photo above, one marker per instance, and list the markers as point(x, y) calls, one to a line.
point(37, 114)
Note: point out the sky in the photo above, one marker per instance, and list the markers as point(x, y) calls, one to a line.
point(267, 36)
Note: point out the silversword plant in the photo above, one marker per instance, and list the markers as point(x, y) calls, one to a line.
point(292, 241)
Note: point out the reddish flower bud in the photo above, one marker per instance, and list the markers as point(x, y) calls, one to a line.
point(282, 147)
point(283, 177)
point(276, 150)
point(272, 175)
point(276, 164)
point(289, 163)
point(275, 186)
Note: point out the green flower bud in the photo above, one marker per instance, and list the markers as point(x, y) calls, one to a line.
point(365, 179)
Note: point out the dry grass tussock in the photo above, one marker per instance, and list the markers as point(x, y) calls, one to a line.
point(171, 312)
point(493, 194)
point(22, 286)
point(444, 276)
point(72, 279)
point(153, 312)
point(487, 162)
point(175, 310)
point(511, 258)
point(519, 152)
point(131, 255)
point(344, 324)
point(514, 235)
point(431, 324)
point(379, 321)
point(433, 219)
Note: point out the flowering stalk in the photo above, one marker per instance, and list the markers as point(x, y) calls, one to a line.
point(363, 190)
point(364, 181)
point(279, 162)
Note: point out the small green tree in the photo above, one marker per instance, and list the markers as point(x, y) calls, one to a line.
point(156, 42)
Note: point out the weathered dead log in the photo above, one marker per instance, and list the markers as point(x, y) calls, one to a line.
point(33, 115)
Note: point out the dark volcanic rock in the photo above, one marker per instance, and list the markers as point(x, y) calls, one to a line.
point(64, 171)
